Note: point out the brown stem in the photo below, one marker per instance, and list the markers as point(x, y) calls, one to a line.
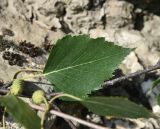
point(66, 116)
point(112, 82)
point(3, 91)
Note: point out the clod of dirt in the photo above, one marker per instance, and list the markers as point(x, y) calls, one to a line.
point(13, 58)
point(30, 49)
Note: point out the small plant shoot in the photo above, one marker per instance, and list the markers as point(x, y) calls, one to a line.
point(77, 65)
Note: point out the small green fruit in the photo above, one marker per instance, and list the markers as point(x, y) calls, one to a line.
point(38, 96)
point(17, 87)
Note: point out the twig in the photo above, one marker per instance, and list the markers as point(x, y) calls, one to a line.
point(6, 85)
point(66, 116)
point(112, 82)
point(3, 91)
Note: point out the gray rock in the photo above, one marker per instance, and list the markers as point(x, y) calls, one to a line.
point(119, 13)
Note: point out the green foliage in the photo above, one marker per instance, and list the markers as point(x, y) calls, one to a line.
point(115, 106)
point(77, 65)
point(21, 111)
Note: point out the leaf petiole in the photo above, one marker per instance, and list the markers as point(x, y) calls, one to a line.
point(45, 113)
point(64, 95)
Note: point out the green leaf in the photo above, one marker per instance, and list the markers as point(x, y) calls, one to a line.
point(115, 106)
point(21, 111)
point(79, 64)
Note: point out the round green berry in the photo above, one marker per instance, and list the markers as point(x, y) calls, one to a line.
point(38, 96)
point(17, 87)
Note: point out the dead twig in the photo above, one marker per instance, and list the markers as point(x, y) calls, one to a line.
point(3, 91)
point(66, 116)
point(119, 79)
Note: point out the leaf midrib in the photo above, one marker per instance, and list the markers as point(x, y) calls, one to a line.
point(74, 66)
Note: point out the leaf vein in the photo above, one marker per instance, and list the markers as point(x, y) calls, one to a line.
point(70, 67)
